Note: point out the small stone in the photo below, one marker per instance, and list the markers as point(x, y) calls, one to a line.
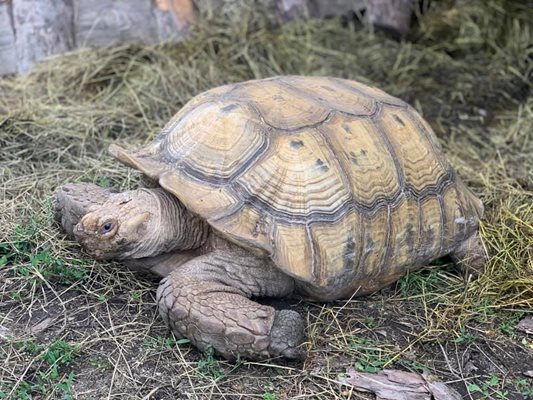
point(4, 333)
point(526, 325)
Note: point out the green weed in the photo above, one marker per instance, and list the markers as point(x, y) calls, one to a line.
point(136, 296)
point(100, 363)
point(464, 336)
point(370, 322)
point(370, 357)
point(525, 387)
point(24, 255)
point(158, 343)
point(208, 365)
point(103, 181)
point(428, 282)
point(508, 325)
point(48, 378)
point(489, 389)
point(413, 365)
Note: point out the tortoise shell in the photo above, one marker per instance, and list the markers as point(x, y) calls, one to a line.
point(334, 180)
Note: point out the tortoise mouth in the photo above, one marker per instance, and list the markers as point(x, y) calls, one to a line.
point(96, 254)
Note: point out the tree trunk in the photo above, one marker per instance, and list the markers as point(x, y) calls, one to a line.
point(43, 28)
point(105, 22)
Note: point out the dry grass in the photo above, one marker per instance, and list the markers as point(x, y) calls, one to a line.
point(468, 70)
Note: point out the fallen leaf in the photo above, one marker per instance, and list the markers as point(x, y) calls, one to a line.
point(41, 326)
point(400, 385)
point(440, 390)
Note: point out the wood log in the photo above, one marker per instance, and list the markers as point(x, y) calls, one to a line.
point(336, 8)
point(42, 28)
point(8, 55)
point(289, 10)
point(393, 16)
point(106, 22)
point(31, 30)
point(304, 9)
point(173, 18)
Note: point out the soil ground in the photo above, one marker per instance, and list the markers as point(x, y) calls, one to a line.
point(71, 327)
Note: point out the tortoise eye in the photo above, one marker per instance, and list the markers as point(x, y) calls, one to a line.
point(107, 227)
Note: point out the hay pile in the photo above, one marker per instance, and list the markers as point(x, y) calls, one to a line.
point(468, 70)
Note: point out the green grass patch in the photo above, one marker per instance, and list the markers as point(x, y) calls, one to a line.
point(26, 256)
point(50, 376)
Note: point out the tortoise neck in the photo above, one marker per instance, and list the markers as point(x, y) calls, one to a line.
point(177, 228)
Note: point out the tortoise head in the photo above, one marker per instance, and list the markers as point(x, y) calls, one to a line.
point(125, 226)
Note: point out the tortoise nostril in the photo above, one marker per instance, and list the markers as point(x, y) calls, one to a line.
point(78, 228)
point(81, 224)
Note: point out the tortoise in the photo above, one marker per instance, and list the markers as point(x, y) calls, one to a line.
point(317, 187)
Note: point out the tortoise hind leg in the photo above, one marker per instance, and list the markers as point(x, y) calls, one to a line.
point(207, 300)
point(470, 256)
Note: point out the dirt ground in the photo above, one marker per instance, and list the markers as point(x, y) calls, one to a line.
point(75, 328)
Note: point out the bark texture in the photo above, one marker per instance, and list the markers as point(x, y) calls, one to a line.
point(43, 28)
point(104, 22)
point(391, 15)
point(303, 9)
point(8, 55)
point(31, 30)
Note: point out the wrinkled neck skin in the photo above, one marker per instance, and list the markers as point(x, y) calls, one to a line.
point(165, 263)
point(174, 228)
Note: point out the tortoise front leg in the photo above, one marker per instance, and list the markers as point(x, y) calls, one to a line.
point(208, 301)
point(73, 200)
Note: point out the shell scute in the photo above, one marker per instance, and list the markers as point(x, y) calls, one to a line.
point(368, 165)
point(296, 177)
point(416, 157)
point(340, 243)
point(206, 200)
point(292, 245)
point(431, 227)
point(332, 94)
point(190, 144)
point(281, 106)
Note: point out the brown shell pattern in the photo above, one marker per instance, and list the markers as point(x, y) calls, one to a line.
point(333, 179)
